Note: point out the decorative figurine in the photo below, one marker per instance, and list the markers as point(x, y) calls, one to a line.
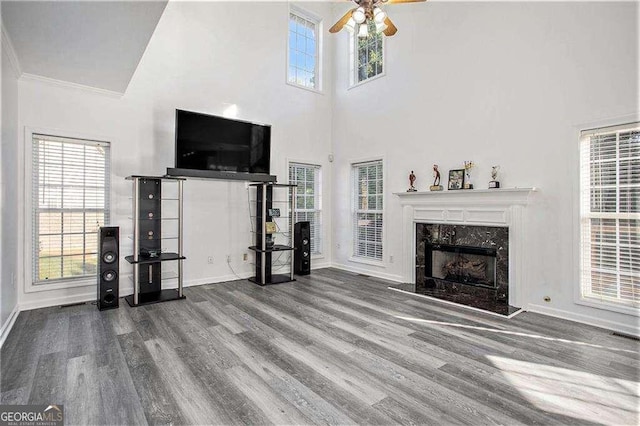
point(494, 184)
point(436, 179)
point(468, 165)
point(412, 179)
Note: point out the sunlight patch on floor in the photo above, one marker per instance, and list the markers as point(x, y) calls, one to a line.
point(572, 393)
point(512, 333)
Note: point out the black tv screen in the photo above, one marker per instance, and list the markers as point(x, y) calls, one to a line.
point(209, 142)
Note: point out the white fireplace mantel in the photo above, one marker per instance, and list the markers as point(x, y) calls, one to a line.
point(478, 207)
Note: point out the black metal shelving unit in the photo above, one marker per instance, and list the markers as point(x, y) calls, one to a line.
point(148, 238)
point(264, 252)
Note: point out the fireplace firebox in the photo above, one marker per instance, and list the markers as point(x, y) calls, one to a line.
point(468, 265)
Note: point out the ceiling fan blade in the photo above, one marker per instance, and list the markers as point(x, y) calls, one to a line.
point(341, 22)
point(391, 29)
point(403, 1)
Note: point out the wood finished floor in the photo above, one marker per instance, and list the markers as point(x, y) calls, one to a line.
point(331, 348)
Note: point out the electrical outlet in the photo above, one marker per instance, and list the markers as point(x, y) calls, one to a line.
point(245, 257)
point(547, 299)
point(210, 260)
point(390, 259)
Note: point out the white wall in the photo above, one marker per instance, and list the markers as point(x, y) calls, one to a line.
point(8, 177)
point(202, 57)
point(497, 83)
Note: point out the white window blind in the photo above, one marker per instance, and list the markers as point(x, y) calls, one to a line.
point(303, 58)
point(308, 200)
point(70, 187)
point(610, 214)
point(368, 200)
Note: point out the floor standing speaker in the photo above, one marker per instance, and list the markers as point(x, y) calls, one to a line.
point(108, 267)
point(302, 244)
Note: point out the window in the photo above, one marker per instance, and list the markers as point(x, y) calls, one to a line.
point(304, 50)
point(368, 210)
point(367, 55)
point(308, 194)
point(70, 187)
point(610, 214)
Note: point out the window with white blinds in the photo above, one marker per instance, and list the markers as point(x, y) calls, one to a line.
point(70, 199)
point(308, 199)
point(368, 201)
point(610, 214)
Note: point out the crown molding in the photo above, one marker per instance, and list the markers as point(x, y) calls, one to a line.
point(69, 85)
point(7, 46)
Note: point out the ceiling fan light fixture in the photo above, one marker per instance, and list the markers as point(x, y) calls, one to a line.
point(350, 25)
point(379, 15)
point(380, 27)
point(363, 31)
point(359, 15)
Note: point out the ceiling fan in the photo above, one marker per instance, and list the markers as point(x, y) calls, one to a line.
point(367, 11)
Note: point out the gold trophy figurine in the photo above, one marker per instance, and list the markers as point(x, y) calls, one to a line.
point(494, 184)
point(412, 180)
point(436, 179)
point(468, 165)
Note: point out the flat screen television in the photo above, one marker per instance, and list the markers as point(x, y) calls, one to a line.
point(209, 142)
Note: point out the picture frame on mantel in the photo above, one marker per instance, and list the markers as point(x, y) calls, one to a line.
point(456, 179)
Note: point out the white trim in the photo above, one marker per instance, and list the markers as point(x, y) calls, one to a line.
point(458, 305)
point(353, 205)
point(8, 324)
point(318, 21)
point(25, 207)
point(368, 271)
point(368, 261)
point(69, 85)
point(608, 306)
point(584, 319)
point(351, 61)
point(7, 46)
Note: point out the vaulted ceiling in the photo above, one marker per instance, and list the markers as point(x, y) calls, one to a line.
point(93, 43)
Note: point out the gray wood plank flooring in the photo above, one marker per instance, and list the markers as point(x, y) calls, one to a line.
point(330, 348)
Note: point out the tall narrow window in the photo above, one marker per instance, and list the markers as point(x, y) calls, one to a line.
point(367, 55)
point(610, 214)
point(308, 200)
point(304, 51)
point(368, 200)
point(70, 196)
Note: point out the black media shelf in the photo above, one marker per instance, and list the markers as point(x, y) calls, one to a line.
point(163, 257)
point(155, 297)
point(276, 247)
point(275, 279)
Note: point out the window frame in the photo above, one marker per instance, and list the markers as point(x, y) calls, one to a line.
point(26, 212)
point(354, 257)
point(318, 21)
point(584, 132)
point(317, 201)
point(353, 66)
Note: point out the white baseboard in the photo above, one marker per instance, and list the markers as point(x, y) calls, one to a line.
point(585, 319)
point(365, 271)
point(8, 324)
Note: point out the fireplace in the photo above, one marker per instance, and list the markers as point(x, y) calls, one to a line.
point(464, 264)
point(481, 218)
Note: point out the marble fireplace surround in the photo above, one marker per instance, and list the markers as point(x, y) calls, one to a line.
point(478, 207)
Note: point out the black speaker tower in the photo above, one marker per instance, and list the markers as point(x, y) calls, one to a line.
point(302, 243)
point(108, 267)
